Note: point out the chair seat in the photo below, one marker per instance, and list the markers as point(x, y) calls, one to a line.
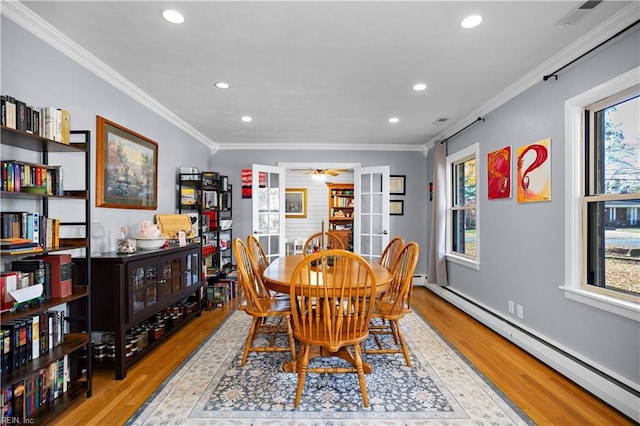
point(322, 339)
point(273, 306)
point(384, 308)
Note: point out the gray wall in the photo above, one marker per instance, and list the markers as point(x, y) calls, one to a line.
point(34, 72)
point(522, 245)
point(411, 226)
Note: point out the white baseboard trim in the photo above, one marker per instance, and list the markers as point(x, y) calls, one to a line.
point(624, 400)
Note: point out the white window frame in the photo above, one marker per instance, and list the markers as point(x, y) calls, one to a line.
point(574, 190)
point(465, 154)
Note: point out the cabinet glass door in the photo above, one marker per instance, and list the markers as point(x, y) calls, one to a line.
point(144, 285)
point(171, 276)
point(192, 272)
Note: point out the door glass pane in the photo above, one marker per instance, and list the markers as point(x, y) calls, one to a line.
point(365, 184)
point(263, 223)
point(376, 224)
point(365, 208)
point(273, 246)
point(377, 203)
point(365, 246)
point(377, 182)
point(365, 227)
point(376, 242)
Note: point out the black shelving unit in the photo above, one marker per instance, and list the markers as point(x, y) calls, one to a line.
point(208, 197)
point(76, 342)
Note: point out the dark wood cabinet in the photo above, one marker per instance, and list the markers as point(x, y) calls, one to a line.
point(132, 289)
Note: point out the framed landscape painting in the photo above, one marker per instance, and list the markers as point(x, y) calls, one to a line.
point(295, 203)
point(126, 168)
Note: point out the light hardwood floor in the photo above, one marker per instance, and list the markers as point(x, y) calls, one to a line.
point(545, 396)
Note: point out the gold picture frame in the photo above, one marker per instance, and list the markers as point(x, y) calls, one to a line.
point(295, 203)
point(126, 168)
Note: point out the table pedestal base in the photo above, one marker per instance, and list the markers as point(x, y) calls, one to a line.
point(319, 351)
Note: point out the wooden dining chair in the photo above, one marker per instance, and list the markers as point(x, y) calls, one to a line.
point(391, 252)
point(390, 307)
point(389, 255)
point(332, 295)
point(314, 242)
point(257, 252)
point(262, 306)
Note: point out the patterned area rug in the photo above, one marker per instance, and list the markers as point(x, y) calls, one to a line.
point(442, 387)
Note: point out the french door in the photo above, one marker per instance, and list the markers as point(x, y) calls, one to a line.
point(268, 190)
point(371, 218)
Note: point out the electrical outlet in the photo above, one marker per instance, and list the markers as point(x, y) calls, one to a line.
point(511, 307)
point(520, 312)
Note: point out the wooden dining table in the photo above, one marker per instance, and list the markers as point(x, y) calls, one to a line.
point(277, 277)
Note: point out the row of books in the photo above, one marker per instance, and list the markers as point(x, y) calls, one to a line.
point(18, 176)
point(15, 227)
point(53, 271)
point(27, 339)
point(47, 122)
point(21, 400)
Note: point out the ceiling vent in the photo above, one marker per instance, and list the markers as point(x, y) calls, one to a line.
point(439, 121)
point(578, 13)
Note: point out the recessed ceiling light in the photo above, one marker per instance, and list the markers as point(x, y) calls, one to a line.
point(394, 120)
point(246, 119)
point(173, 16)
point(471, 21)
point(222, 85)
point(420, 86)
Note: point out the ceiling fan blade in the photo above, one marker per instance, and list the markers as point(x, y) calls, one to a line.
point(331, 172)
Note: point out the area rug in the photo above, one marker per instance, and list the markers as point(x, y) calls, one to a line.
point(441, 387)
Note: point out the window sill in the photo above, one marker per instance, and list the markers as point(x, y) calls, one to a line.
point(463, 261)
point(615, 306)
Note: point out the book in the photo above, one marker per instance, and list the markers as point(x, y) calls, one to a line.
point(15, 242)
point(5, 336)
point(65, 126)
point(8, 283)
point(60, 274)
point(13, 329)
point(35, 333)
point(18, 400)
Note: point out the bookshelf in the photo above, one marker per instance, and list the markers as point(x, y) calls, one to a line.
point(56, 356)
point(208, 197)
point(341, 208)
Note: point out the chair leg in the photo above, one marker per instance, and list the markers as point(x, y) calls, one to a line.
point(253, 331)
point(403, 343)
point(292, 342)
point(357, 350)
point(301, 366)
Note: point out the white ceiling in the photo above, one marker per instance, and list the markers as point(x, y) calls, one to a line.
point(325, 73)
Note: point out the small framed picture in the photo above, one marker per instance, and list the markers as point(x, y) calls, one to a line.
point(396, 207)
point(295, 200)
point(397, 184)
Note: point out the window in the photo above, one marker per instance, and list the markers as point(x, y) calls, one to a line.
point(602, 203)
point(462, 218)
point(611, 203)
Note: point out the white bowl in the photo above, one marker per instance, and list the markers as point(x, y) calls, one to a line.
point(150, 243)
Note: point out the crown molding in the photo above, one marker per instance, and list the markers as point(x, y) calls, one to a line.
point(616, 23)
point(40, 28)
point(317, 147)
